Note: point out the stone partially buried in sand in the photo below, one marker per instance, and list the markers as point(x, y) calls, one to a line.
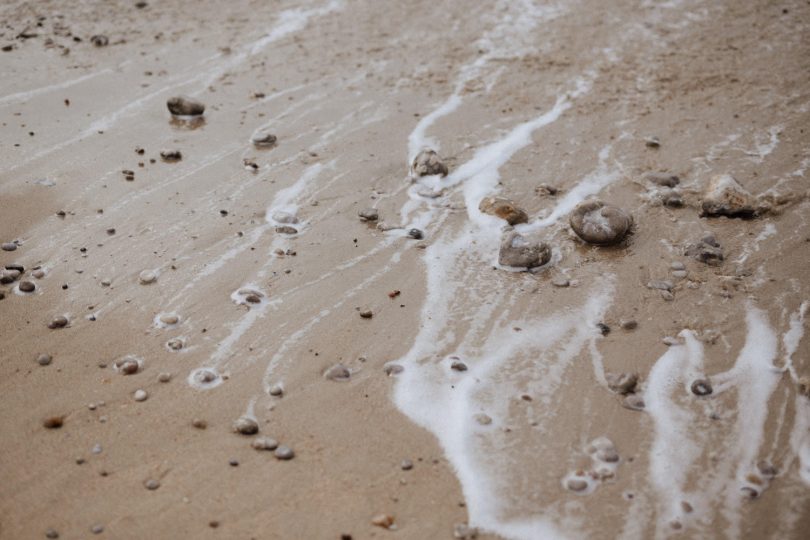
point(185, 106)
point(428, 163)
point(338, 372)
point(707, 251)
point(517, 251)
point(504, 209)
point(598, 223)
point(726, 197)
point(264, 140)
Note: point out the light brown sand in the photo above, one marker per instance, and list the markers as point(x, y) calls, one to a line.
point(717, 82)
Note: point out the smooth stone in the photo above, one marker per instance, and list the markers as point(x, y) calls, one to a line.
point(652, 142)
point(51, 533)
point(406, 465)
point(44, 359)
point(519, 252)
point(264, 443)
point(677, 265)
point(8, 246)
point(127, 366)
point(99, 40)
point(662, 285)
point(369, 214)
point(39, 274)
point(428, 163)
point(199, 423)
point(97, 529)
point(383, 520)
point(277, 390)
point(151, 484)
point(622, 383)
point(164, 377)
point(560, 281)
point(598, 223)
point(504, 209)
point(175, 344)
point(147, 276)
point(286, 229)
point(17, 267)
point(169, 318)
point(628, 324)
point(366, 314)
point(264, 140)
point(338, 372)
point(662, 179)
point(575, 484)
point(246, 426)
point(458, 365)
point(140, 395)
point(667, 295)
point(680, 274)
point(634, 402)
point(185, 106)
point(701, 387)
point(726, 197)
point(284, 453)
point(53, 422)
point(58, 322)
point(205, 376)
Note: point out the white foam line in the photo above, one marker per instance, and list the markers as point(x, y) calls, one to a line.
point(28, 94)
point(800, 434)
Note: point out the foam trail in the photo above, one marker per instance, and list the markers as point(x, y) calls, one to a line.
point(800, 434)
point(28, 94)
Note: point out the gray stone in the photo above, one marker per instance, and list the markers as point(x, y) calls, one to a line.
point(338, 372)
point(519, 252)
point(246, 426)
point(428, 163)
point(662, 179)
point(185, 106)
point(707, 251)
point(598, 223)
point(369, 214)
point(264, 140)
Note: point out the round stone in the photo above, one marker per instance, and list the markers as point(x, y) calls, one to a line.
point(175, 344)
point(140, 395)
point(264, 140)
point(27, 286)
point(246, 426)
point(58, 322)
point(147, 276)
point(392, 368)
point(598, 223)
point(284, 452)
point(277, 390)
point(164, 377)
point(44, 359)
point(151, 484)
point(701, 387)
point(199, 423)
point(185, 106)
point(169, 319)
point(39, 273)
point(8, 246)
point(338, 372)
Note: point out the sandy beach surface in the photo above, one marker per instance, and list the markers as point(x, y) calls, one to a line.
point(200, 337)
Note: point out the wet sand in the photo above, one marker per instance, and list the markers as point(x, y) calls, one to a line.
point(501, 393)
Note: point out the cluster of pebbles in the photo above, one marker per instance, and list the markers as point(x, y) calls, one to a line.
point(604, 462)
point(246, 425)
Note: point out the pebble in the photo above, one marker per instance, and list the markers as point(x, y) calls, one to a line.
point(44, 359)
point(100, 40)
point(175, 344)
point(628, 324)
point(53, 422)
point(164, 377)
point(96, 449)
point(264, 140)
point(264, 443)
point(140, 395)
point(366, 313)
point(669, 341)
point(39, 273)
point(766, 468)
point(338, 372)
point(246, 426)
point(677, 265)
point(576, 484)
point(171, 155)
point(622, 383)
point(185, 106)
point(199, 423)
point(392, 368)
point(286, 229)
point(652, 142)
point(458, 365)
point(127, 365)
point(462, 531)
point(169, 318)
point(151, 484)
point(519, 252)
point(58, 322)
point(726, 197)
point(680, 274)
point(662, 285)
point(106, 282)
point(803, 387)
point(383, 520)
point(233, 462)
point(662, 179)
point(560, 281)
point(369, 214)
point(428, 163)
point(205, 376)
point(633, 402)
point(284, 453)
point(27, 286)
point(277, 390)
point(707, 251)
point(8, 246)
point(51, 533)
point(416, 234)
point(667, 295)
point(406, 465)
point(147, 276)
point(504, 209)
point(97, 529)
point(701, 387)
point(598, 223)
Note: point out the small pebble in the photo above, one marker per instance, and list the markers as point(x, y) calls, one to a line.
point(53, 422)
point(44, 359)
point(171, 155)
point(462, 531)
point(680, 274)
point(366, 314)
point(369, 214)
point(277, 390)
point(246, 426)
point(560, 281)
point(185, 106)
point(406, 465)
point(151, 484)
point(416, 234)
point(169, 319)
point(58, 322)
point(39, 273)
point(99, 40)
point(575, 484)
point(175, 344)
point(8, 246)
point(264, 443)
point(284, 452)
point(383, 520)
point(677, 265)
point(27, 286)
point(652, 142)
point(628, 324)
point(164, 377)
point(338, 372)
point(233, 463)
point(458, 365)
point(483, 419)
point(140, 395)
point(96, 449)
point(634, 402)
point(146, 277)
point(97, 529)
point(701, 387)
point(199, 423)
point(392, 368)
point(51, 533)
point(264, 140)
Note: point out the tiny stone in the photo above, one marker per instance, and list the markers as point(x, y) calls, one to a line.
point(151, 484)
point(622, 383)
point(171, 155)
point(427, 162)
point(99, 40)
point(286, 229)
point(284, 453)
point(383, 520)
point(628, 324)
point(416, 234)
point(140, 395)
point(27, 286)
point(175, 344)
point(58, 322)
point(462, 531)
point(146, 277)
point(264, 140)
point(53, 422)
point(660, 285)
point(392, 368)
point(277, 390)
point(634, 402)
point(406, 465)
point(366, 314)
point(264, 443)
point(666, 295)
point(338, 372)
point(169, 318)
point(164, 377)
point(8, 246)
point(97, 529)
point(680, 274)
point(199, 423)
point(369, 214)
point(458, 365)
point(575, 484)
point(184, 106)
point(483, 419)
point(51, 533)
point(96, 449)
point(246, 426)
point(39, 274)
point(701, 387)
point(677, 265)
point(652, 142)
point(233, 463)
point(560, 281)
point(44, 359)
